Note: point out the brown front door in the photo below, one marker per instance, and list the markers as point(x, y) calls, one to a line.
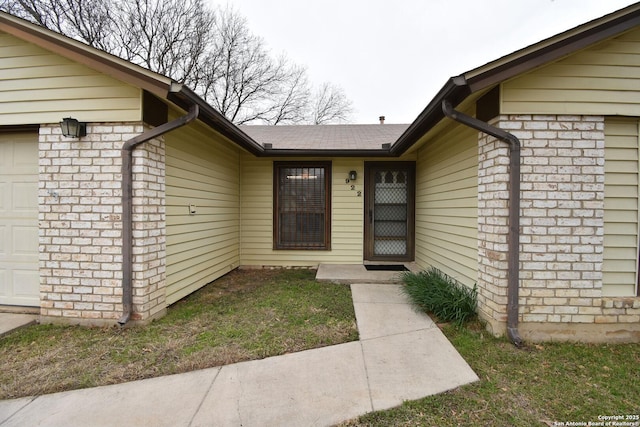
point(389, 211)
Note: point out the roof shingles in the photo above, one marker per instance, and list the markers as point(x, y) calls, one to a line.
point(326, 137)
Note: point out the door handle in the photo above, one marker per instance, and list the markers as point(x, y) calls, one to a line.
point(370, 216)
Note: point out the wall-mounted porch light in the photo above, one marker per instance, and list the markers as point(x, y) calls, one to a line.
point(353, 175)
point(71, 128)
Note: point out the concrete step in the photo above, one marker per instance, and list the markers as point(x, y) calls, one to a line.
point(357, 273)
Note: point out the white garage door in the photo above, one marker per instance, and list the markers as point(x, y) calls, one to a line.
point(19, 278)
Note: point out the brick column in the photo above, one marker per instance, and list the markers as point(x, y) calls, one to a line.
point(493, 213)
point(81, 231)
point(149, 231)
point(562, 228)
point(562, 218)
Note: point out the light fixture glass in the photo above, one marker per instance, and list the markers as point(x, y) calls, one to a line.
point(353, 175)
point(72, 128)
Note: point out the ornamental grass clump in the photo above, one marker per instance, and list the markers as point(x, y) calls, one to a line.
point(442, 296)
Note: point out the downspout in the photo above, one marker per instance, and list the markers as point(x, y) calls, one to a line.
point(127, 198)
point(513, 237)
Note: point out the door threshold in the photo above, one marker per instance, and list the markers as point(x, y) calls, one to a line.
point(386, 267)
point(386, 262)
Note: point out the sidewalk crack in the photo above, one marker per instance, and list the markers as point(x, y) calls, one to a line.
point(18, 410)
point(366, 373)
point(204, 397)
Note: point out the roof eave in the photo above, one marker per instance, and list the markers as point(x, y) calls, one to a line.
point(457, 89)
point(184, 97)
point(125, 71)
point(553, 48)
point(274, 152)
point(84, 54)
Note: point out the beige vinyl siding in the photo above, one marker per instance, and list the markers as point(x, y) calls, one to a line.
point(447, 204)
point(347, 215)
point(603, 79)
point(257, 217)
point(202, 170)
point(38, 86)
point(621, 207)
point(347, 211)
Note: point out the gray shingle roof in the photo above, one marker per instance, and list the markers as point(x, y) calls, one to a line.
point(326, 137)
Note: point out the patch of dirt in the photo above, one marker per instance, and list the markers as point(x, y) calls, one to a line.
point(242, 280)
point(224, 322)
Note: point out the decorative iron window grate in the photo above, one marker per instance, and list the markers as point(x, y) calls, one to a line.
point(302, 205)
point(390, 212)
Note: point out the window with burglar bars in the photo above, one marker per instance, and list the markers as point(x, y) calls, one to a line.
point(302, 205)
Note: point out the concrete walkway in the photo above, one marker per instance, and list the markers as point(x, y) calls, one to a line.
point(357, 273)
point(9, 322)
point(401, 355)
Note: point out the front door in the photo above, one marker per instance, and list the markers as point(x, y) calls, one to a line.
point(389, 211)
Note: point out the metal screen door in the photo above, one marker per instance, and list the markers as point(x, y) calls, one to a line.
point(390, 211)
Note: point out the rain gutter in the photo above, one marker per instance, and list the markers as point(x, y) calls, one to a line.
point(279, 152)
point(185, 98)
point(127, 206)
point(513, 238)
point(455, 90)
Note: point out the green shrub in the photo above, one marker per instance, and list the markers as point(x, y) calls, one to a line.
point(441, 295)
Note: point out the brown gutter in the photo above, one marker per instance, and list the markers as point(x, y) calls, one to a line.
point(455, 90)
point(275, 152)
point(513, 238)
point(210, 116)
point(185, 97)
point(554, 48)
point(458, 88)
point(127, 209)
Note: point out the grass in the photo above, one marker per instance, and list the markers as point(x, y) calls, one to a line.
point(540, 385)
point(441, 296)
point(254, 314)
point(247, 314)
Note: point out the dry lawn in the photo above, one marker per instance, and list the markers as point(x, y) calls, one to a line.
point(549, 384)
point(248, 314)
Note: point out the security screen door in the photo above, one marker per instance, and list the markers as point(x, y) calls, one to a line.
point(389, 211)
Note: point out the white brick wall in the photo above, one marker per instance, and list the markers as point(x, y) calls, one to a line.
point(149, 230)
point(562, 207)
point(493, 194)
point(80, 225)
point(561, 222)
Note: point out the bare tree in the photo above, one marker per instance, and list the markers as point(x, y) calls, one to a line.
point(212, 51)
point(89, 21)
point(245, 83)
point(42, 12)
point(330, 105)
point(290, 104)
point(169, 37)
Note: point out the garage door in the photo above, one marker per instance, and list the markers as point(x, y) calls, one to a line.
point(19, 278)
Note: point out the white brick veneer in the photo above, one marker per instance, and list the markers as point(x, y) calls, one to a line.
point(80, 225)
point(561, 223)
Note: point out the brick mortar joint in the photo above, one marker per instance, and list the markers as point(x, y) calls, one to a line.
point(620, 302)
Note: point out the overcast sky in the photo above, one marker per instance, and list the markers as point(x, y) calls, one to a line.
point(392, 56)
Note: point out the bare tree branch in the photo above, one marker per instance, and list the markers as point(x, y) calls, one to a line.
point(169, 37)
point(244, 82)
point(290, 105)
point(330, 105)
point(212, 51)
